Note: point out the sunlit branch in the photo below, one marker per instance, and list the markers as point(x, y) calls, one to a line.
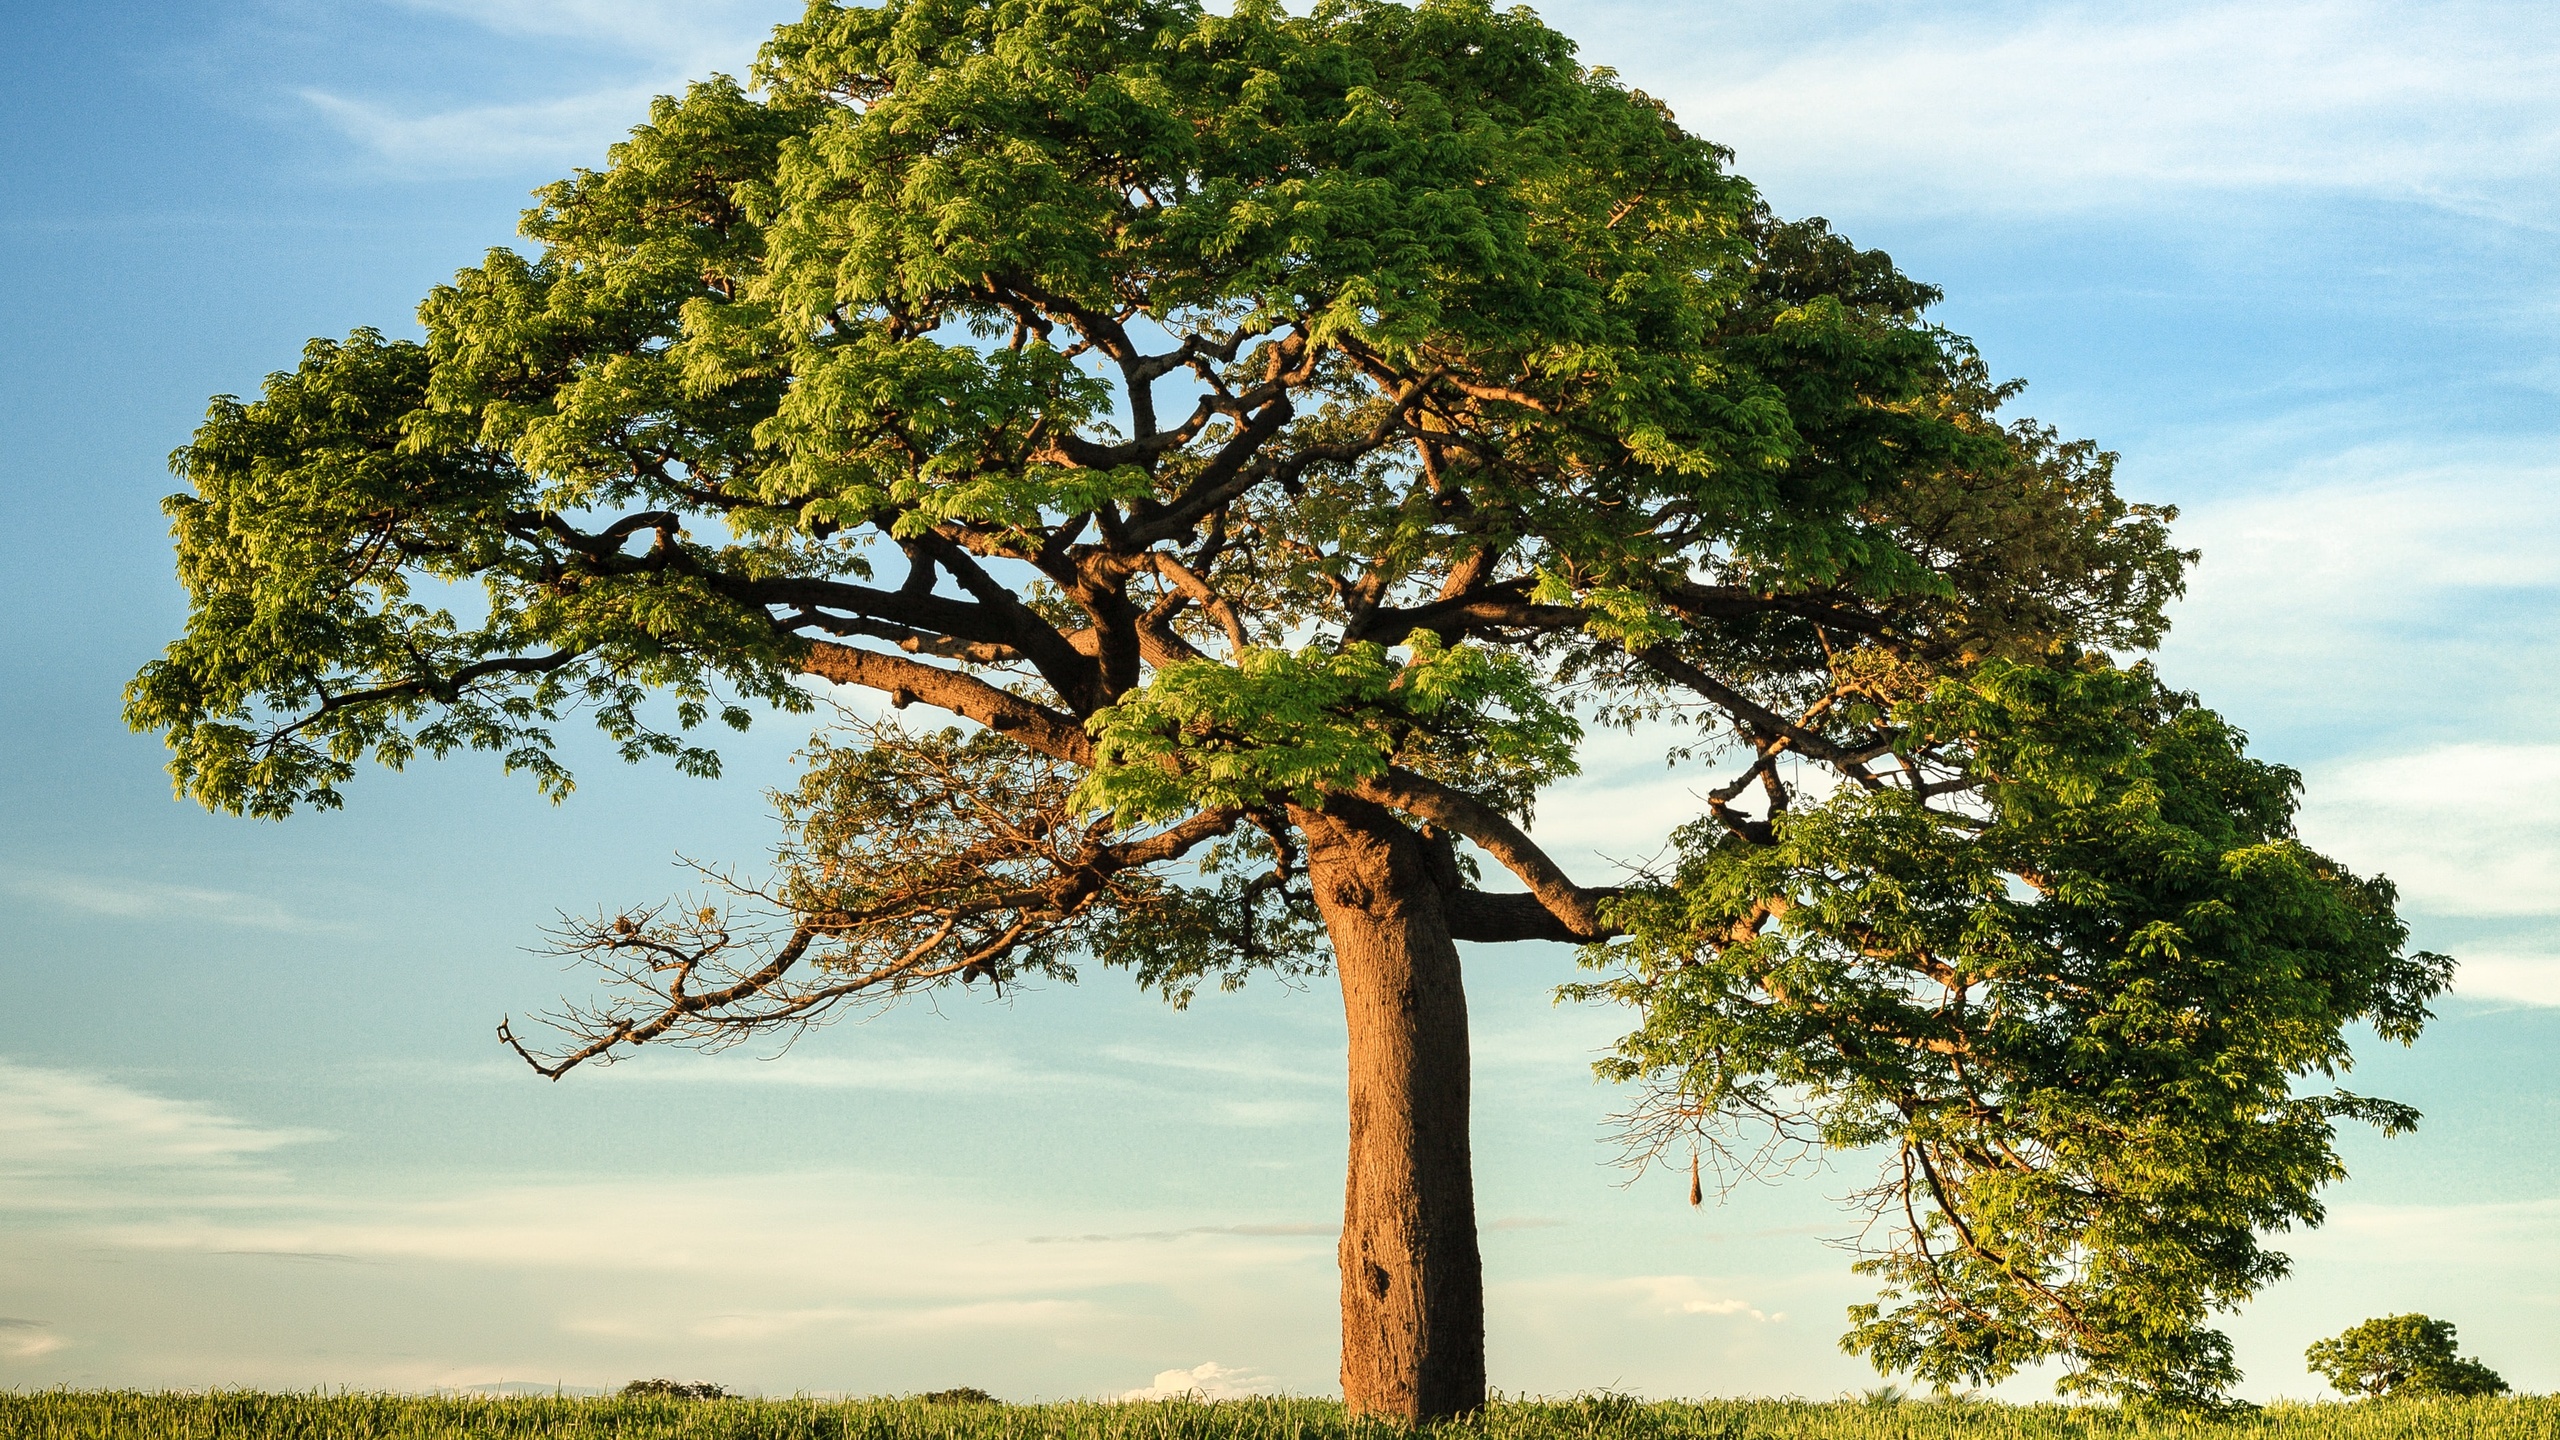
point(1575, 907)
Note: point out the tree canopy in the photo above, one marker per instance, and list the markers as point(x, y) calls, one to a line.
point(2400, 1355)
point(1277, 435)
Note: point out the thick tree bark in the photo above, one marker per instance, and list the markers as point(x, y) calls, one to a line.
point(1412, 1280)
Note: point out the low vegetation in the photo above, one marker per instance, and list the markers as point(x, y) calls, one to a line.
point(675, 1390)
point(247, 1415)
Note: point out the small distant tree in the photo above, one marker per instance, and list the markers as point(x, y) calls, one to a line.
point(1268, 439)
point(2401, 1355)
point(675, 1390)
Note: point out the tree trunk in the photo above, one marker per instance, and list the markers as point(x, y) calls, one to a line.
point(1412, 1281)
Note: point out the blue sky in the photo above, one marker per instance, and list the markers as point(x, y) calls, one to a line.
point(2295, 261)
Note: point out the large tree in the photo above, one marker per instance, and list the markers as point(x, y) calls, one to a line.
point(1275, 436)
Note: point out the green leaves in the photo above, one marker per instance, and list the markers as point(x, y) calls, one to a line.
point(324, 550)
point(934, 434)
point(2074, 1017)
point(2400, 1355)
point(1285, 727)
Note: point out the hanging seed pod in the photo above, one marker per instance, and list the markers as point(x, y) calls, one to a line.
point(1697, 1192)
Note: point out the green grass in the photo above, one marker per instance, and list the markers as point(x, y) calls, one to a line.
point(250, 1415)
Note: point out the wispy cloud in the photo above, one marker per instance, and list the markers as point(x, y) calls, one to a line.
point(2501, 1238)
point(1250, 1064)
point(900, 1069)
point(730, 1271)
point(983, 1315)
point(27, 1339)
point(1683, 1295)
point(2465, 830)
point(2377, 596)
point(2374, 533)
point(1312, 1227)
point(299, 1257)
point(2506, 970)
point(666, 30)
point(1958, 107)
point(866, 1237)
point(124, 898)
point(656, 48)
point(565, 131)
point(61, 1124)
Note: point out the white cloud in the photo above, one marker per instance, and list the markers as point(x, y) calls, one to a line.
point(58, 1123)
point(1311, 1227)
point(860, 1236)
point(2375, 597)
point(1622, 1295)
point(567, 130)
point(1614, 819)
point(2501, 1238)
point(889, 1069)
point(2369, 535)
point(2464, 830)
point(1681, 1295)
point(126, 899)
point(1208, 1381)
point(2505, 974)
point(1956, 108)
point(661, 29)
point(770, 1324)
point(1252, 1063)
point(662, 47)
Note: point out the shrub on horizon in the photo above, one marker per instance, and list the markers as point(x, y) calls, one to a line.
point(676, 1390)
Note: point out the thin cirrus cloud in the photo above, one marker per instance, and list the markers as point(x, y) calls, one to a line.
point(2469, 830)
point(1247, 1064)
point(657, 29)
point(891, 1068)
point(2373, 533)
point(808, 1234)
point(1955, 107)
point(1936, 106)
point(1034, 1315)
point(27, 1339)
point(657, 48)
point(744, 1276)
point(2334, 591)
point(64, 1125)
point(771, 1274)
point(123, 898)
point(1674, 1295)
point(2518, 1240)
point(568, 130)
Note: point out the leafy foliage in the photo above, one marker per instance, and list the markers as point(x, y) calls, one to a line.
point(2400, 1355)
point(1275, 726)
point(2073, 1015)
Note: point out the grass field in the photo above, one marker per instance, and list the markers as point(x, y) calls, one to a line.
point(248, 1415)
